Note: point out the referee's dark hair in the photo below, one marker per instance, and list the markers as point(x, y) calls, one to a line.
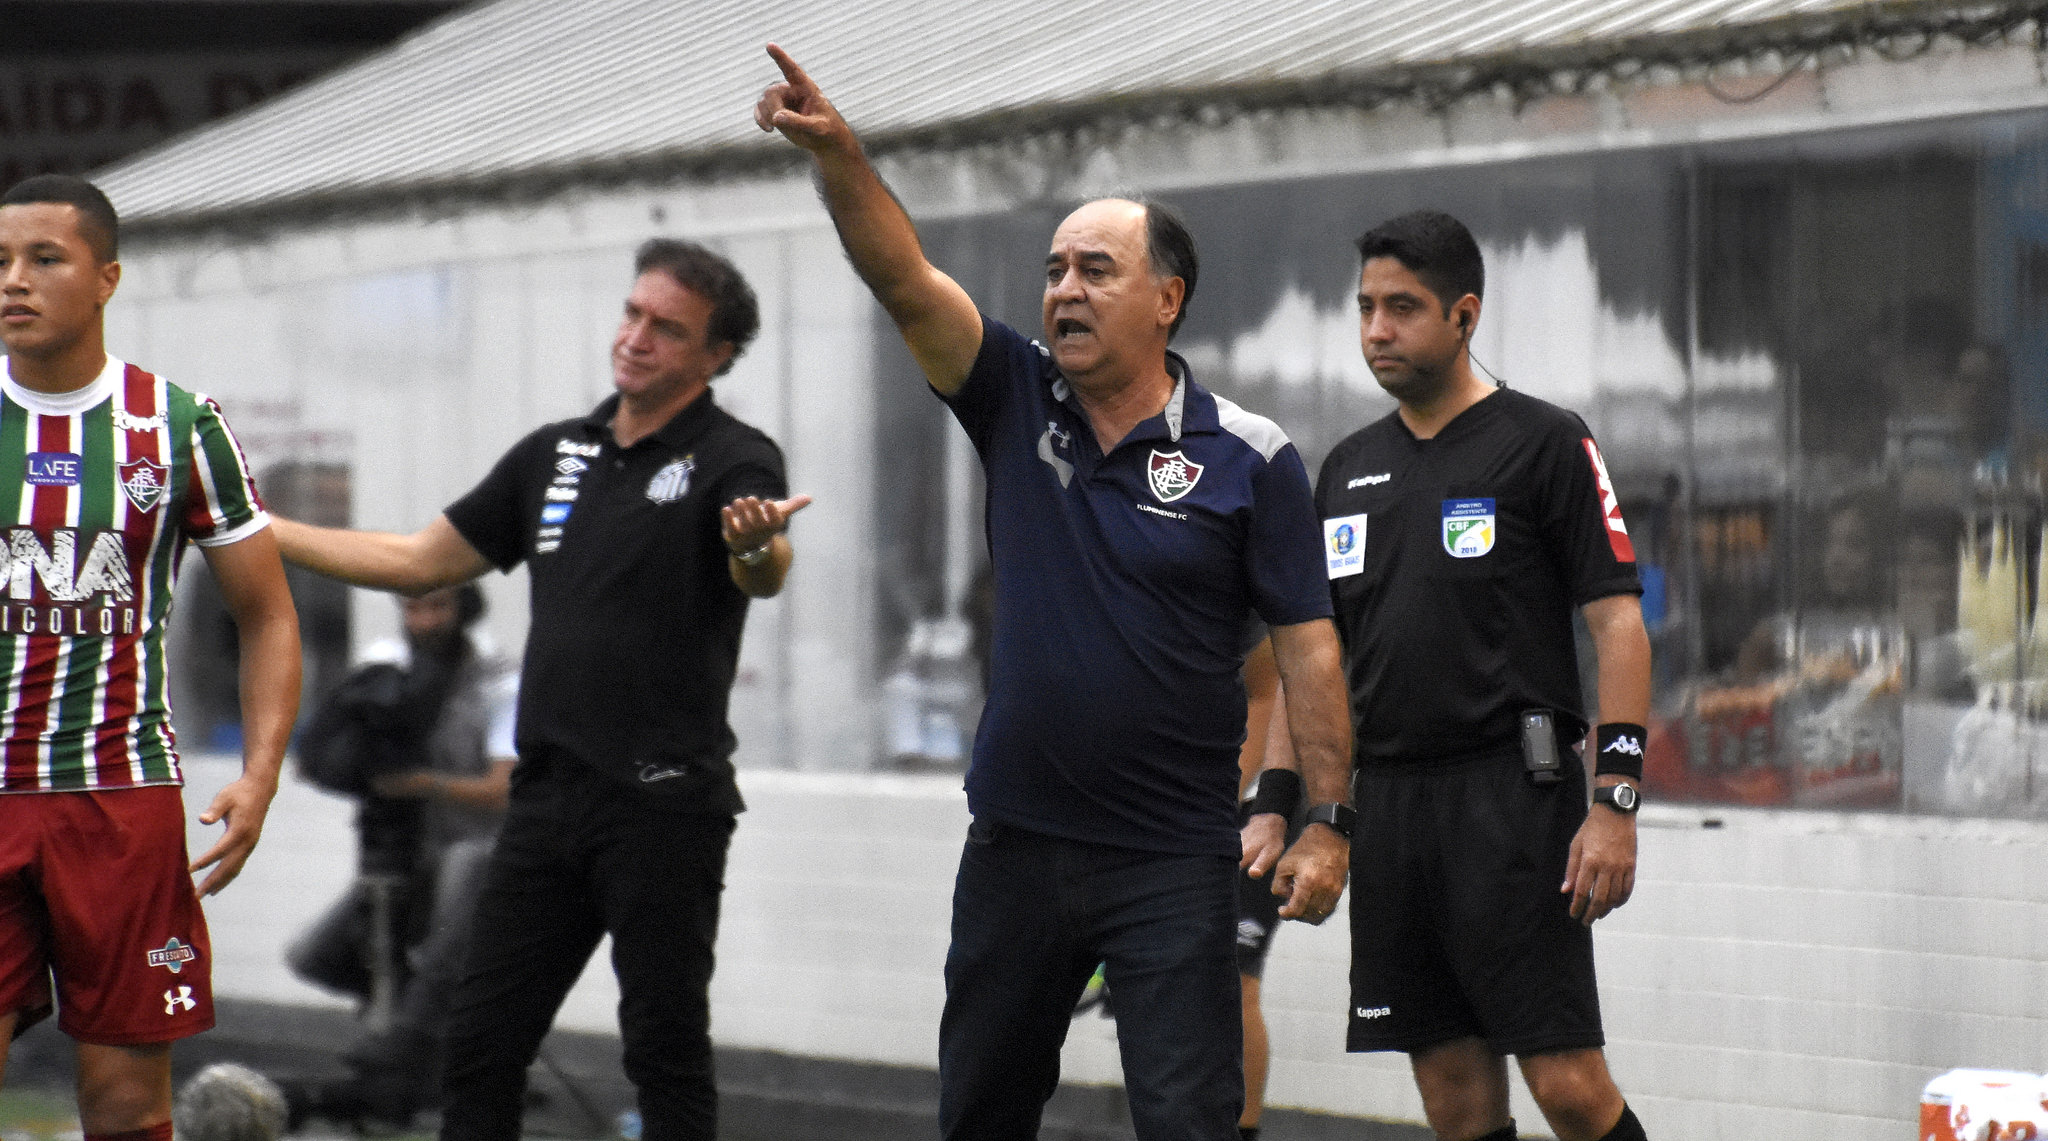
point(735, 314)
point(1436, 248)
point(1171, 250)
point(97, 222)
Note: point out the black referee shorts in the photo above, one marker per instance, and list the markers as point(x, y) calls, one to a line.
point(1457, 925)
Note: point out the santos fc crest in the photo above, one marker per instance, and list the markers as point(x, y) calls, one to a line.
point(1172, 475)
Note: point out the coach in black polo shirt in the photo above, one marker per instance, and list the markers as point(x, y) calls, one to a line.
point(1461, 531)
point(645, 528)
point(1135, 522)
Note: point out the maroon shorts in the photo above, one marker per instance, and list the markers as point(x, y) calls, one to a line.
point(94, 891)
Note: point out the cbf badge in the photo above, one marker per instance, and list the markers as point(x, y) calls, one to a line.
point(1468, 527)
point(1344, 545)
point(1172, 475)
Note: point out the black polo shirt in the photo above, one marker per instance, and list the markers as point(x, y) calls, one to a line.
point(635, 627)
point(1455, 565)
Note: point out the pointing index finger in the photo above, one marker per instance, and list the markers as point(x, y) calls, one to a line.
point(790, 71)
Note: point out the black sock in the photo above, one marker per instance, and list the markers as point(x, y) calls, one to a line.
point(1628, 1128)
point(1504, 1133)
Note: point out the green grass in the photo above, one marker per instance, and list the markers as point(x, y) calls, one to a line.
point(37, 1115)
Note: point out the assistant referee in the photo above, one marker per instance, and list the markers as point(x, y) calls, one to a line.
point(1461, 531)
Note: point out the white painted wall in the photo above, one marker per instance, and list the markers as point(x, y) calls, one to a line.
point(1792, 975)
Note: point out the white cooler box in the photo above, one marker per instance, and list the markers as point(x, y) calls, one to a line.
point(1985, 1105)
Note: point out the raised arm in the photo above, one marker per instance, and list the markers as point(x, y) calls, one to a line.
point(267, 628)
point(938, 320)
point(428, 559)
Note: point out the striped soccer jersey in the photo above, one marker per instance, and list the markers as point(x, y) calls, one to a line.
point(110, 483)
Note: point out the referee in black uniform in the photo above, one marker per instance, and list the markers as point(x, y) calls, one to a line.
point(1461, 531)
point(645, 527)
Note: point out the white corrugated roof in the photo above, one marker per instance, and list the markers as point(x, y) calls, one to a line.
point(523, 86)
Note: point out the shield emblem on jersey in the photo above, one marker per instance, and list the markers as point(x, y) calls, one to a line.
point(672, 482)
point(1468, 527)
point(143, 482)
point(1172, 475)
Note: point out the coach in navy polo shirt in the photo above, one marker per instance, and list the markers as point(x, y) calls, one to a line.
point(1136, 523)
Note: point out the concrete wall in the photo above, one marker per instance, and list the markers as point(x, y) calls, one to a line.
point(1793, 975)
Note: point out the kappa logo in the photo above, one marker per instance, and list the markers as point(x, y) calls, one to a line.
point(672, 482)
point(1626, 744)
point(570, 465)
point(572, 448)
point(1172, 475)
point(143, 482)
point(1062, 441)
point(129, 422)
point(173, 956)
point(1249, 932)
point(1371, 1012)
point(179, 998)
point(1369, 480)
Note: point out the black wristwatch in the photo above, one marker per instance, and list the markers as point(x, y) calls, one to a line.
point(1622, 798)
point(1341, 818)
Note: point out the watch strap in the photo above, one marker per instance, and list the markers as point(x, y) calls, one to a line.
point(1622, 798)
point(1341, 818)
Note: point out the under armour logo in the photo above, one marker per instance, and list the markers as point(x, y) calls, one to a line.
point(181, 998)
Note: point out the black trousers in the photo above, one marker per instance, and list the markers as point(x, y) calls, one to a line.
point(1032, 916)
point(580, 857)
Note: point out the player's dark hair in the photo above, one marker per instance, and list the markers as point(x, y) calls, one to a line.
point(97, 222)
point(1171, 250)
point(735, 314)
point(1436, 248)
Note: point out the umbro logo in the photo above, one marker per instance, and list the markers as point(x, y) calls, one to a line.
point(570, 465)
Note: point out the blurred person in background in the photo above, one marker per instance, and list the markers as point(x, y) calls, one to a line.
point(427, 820)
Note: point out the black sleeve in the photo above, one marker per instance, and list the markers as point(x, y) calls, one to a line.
point(494, 516)
point(1590, 539)
point(756, 469)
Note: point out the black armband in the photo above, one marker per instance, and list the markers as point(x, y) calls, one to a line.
point(1618, 749)
point(1279, 791)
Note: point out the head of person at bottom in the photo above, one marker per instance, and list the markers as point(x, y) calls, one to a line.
point(438, 622)
point(1420, 280)
point(1118, 279)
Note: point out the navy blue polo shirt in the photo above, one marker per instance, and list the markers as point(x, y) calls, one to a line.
point(1123, 584)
